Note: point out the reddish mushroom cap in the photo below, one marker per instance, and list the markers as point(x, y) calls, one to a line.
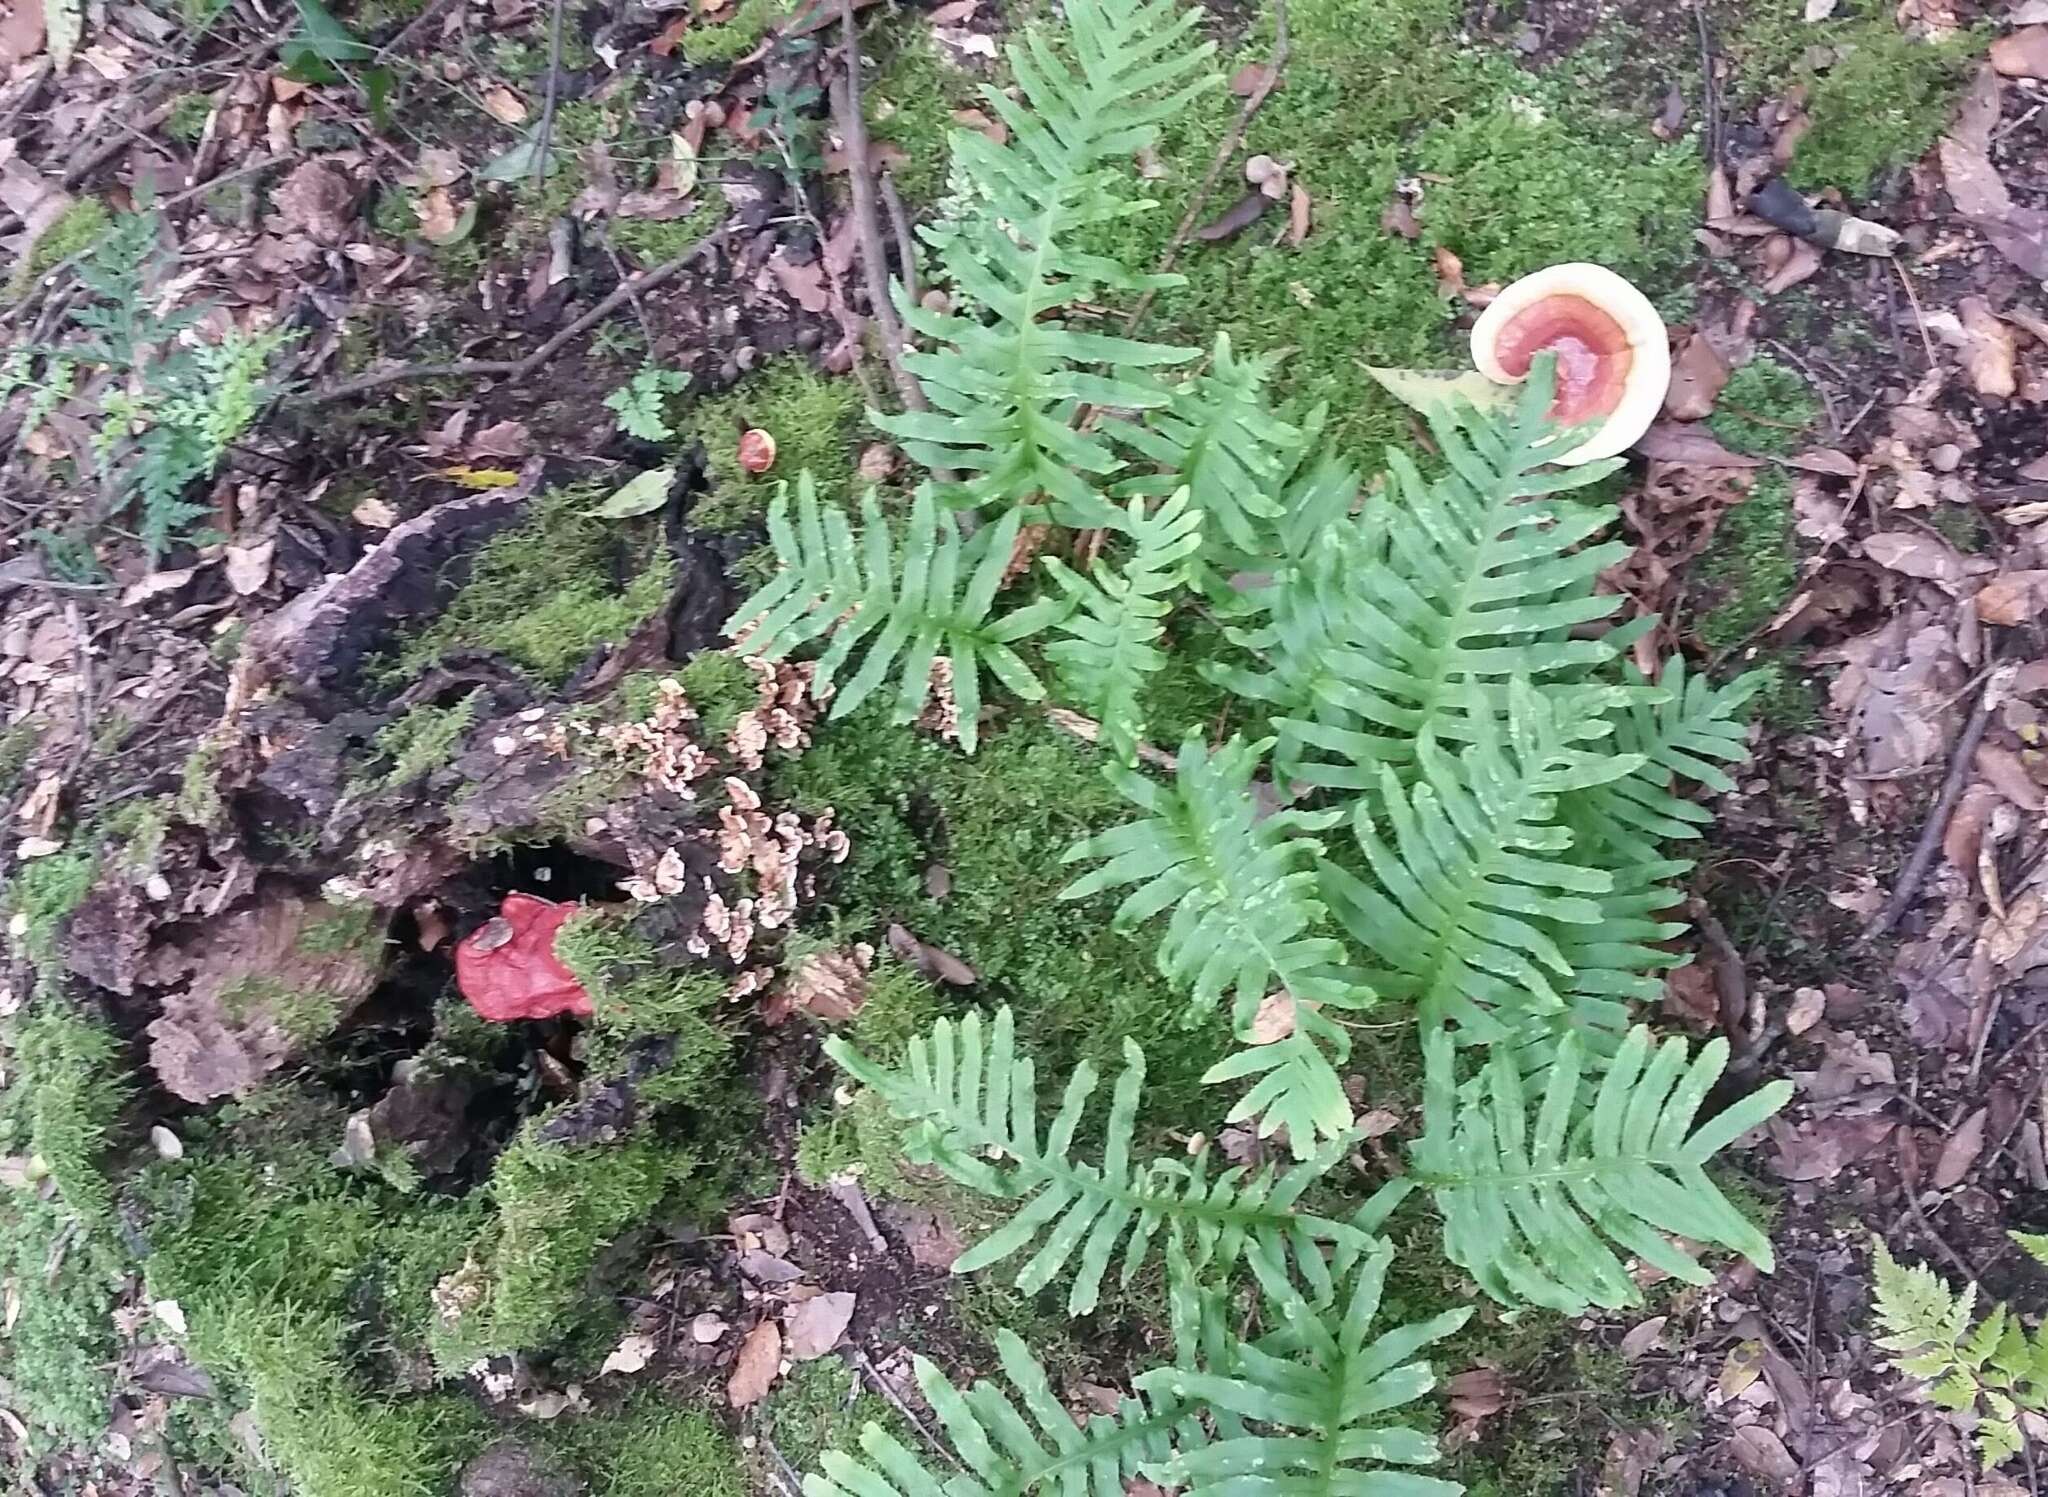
point(757, 450)
point(507, 967)
point(1613, 357)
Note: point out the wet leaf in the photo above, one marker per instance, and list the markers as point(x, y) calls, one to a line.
point(755, 1369)
point(504, 106)
point(1913, 553)
point(441, 222)
point(1988, 352)
point(638, 496)
point(1643, 1337)
point(630, 1355)
point(2015, 598)
point(1235, 219)
point(1698, 375)
point(1959, 1154)
point(1764, 1456)
point(816, 1325)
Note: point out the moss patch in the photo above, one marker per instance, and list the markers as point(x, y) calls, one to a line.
point(814, 418)
point(1750, 569)
point(1766, 408)
point(651, 1446)
point(548, 592)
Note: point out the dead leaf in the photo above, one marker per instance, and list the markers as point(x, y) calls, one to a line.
point(1298, 216)
point(21, 33)
point(2037, 470)
point(1806, 1010)
point(1641, 1337)
point(1251, 79)
point(816, 1325)
point(1988, 352)
point(802, 284)
point(437, 167)
point(1829, 460)
point(2017, 232)
point(764, 1267)
point(831, 985)
point(1959, 1154)
point(630, 1355)
point(1268, 175)
point(755, 1369)
point(316, 200)
point(1450, 273)
point(981, 124)
point(1235, 219)
point(1914, 553)
point(1801, 262)
point(1477, 1392)
point(441, 222)
point(933, 1240)
point(2022, 54)
point(1764, 1456)
point(504, 106)
point(1399, 217)
point(1698, 375)
point(1823, 1147)
point(508, 439)
point(248, 567)
point(931, 960)
point(2015, 598)
point(1274, 1021)
point(1691, 445)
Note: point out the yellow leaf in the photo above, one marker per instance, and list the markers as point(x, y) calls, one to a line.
point(479, 478)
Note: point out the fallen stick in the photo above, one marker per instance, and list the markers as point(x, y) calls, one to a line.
point(619, 296)
point(860, 177)
point(1959, 766)
point(1232, 139)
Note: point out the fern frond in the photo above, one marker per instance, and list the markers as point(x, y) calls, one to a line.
point(1112, 637)
point(900, 608)
point(1316, 1393)
point(1220, 439)
point(1008, 1450)
point(974, 1100)
point(1468, 876)
point(1530, 1205)
point(1482, 575)
point(1686, 729)
point(1241, 886)
point(1010, 376)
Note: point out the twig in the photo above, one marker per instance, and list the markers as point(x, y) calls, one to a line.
point(619, 295)
point(786, 1476)
point(847, 1192)
point(1919, 317)
point(860, 176)
point(547, 108)
point(1959, 765)
point(906, 245)
point(1232, 139)
point(1712, 98)
point(604, 240)
point(91, 161)
point(882, 1387)
point(842, 310)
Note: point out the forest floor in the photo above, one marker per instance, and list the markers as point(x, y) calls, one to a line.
point(280, 1213)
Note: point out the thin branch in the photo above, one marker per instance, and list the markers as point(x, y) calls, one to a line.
point(1960, 766)
point(1712, 97)
point(881, 1386)
point(874, 264)
point(619, 296)
point(906, 245)
point(547, 109)
point(1232, 139)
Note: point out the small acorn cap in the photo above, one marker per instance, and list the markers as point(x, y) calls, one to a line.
point(1613, 354)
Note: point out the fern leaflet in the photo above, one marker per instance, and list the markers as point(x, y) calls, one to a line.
point(974, 1100)
point(904, 611)
point(1529, 1206)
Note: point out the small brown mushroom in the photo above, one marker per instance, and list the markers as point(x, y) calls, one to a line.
point(1613, 356)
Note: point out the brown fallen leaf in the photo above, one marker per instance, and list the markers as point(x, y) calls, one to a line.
point(1959, 1154)
point(802, 284)
point(1251, 79)
point(2017, 232)
point(504, 106)
point(1274, 1021)
point(21, 33)
point(2022, 54)
point(2007, 773)
point(1643, 1336)
point(1298, 215)
point(2015, 598)
point(932, 961)
point(1450, 273)
point(975, 120)
point(1824, 1147)
point(1988, 356)
point(816, 1325)
point(830, 985)
point(1801, 262)
point(755, 1369)
point(1698, 375)
point(316, 200)
point(1913, 553)
point(1399, 217)
point(1829, 460)
point(2037, 470)
point(1692, 445)
point(1477, 1392)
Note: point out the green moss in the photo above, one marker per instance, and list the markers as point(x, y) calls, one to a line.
point(814, 418)
point(423, 740)
point(651, 1447)
point(557, 1210)
point(44, 891)
point(80, 227)
point(548, 592)
point(304, 1014)
point(1880, 104)
point(338, 928)
point(635, 993)
point(17, 746)
point(721, 688)
point(187, 121)
point(1766, 408)
point(199, 799)
point(910, 103)
point(820, 1406)
point(713, 42)
point(1750, 568)
point(654, 241)
point(999, 823)
point(1540, 172)
point(1962, 526)
point(860, 1139)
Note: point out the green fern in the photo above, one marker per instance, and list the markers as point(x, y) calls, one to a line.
point(1989, 1369)
point(974, 1100)
point(1461, 891)
point(1006, 391)
point(1479, 576)
point(900, 608)
point(1008, 1451)
point(1112, 638)
point(1317, 1394)
point(1220, 440)
point(1530, 1205)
